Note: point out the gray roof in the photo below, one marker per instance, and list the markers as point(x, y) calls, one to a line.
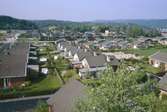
point(65, 44)
point(96, 61)
point(74, 50)
point(114, 62)
point(82, 54)
point(163, 83)
point(13, 63)
point(160, 56)
point(64, 100)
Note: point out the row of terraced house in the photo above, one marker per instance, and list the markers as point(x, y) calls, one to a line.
point(16, 63)
point(88, 62)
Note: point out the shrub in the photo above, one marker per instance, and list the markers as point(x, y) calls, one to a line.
point(41, 107)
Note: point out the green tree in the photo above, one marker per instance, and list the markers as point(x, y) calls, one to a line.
point(121, 92)
point(135, 31)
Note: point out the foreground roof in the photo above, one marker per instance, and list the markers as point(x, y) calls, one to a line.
point(13, 62)
point(160, 56)
point(64, 100)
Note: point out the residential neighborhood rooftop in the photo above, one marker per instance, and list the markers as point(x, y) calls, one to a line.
point(13, 62)
point(96, 61)
point(82, 54)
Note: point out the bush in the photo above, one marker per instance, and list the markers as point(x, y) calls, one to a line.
point(69, 74)
point(42, 107)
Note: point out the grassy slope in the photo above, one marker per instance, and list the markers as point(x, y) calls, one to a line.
point(147, 52)
point(47, 84)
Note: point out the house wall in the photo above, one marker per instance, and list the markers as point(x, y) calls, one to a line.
point(158, 64)
point(59, 47)
point(76, 58)
point(77, 66)
point(162, 93)
point(154, 63)
point(165, 67)
point(135, 47)
point(50, 108)
point(12, 82)
point(163, 42)
point(15, 81)
point(85, 63)
point(104, 48)
point(81, 74)
point(70, 54)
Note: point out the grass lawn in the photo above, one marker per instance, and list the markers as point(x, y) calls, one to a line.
point(144, 65)
point(146, 52)
point(47, 84)
point(44, 86)
point(61, 64)
point(150, 69)
point(69, 73)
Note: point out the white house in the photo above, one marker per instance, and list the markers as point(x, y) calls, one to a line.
point(92, 65)
point(78, 57)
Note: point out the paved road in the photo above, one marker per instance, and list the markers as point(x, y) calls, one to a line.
point(21, 104)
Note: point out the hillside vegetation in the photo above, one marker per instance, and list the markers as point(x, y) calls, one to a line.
point(7, 22)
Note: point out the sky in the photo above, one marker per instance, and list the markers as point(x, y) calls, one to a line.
point(84, 10)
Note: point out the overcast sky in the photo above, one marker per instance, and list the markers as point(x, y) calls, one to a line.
point(84, 10)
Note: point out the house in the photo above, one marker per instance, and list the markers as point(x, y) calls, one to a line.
point(13, 65)
point(64, 99)
point(79, 56)
point(70, 51)
point(108, 33)
point(90, 36)
point(67, 49)
point(33, 62)
point(62, 45)
point(163, 41)
point(144, 43)
point(106, 45)
point(92, 65)
point(94, 61)
point(159, 60)
point(164, 32)
point(163, 85)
